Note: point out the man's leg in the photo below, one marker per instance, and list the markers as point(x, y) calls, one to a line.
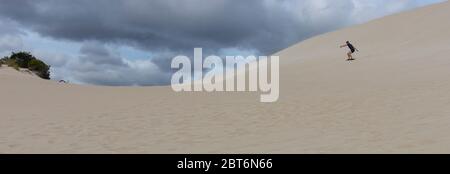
point(349, 54)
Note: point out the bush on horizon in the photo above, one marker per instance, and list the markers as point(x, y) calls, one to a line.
point(22, 58)
point(40, 68)
point(2, 61)
point(10, 63)
point(26, 60)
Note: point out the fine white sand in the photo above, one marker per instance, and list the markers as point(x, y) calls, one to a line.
point(395, 98)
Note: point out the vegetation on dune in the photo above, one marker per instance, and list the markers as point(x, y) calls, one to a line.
point(28, 61)
point(22, 58)
point(40, 68)
point(9, 62)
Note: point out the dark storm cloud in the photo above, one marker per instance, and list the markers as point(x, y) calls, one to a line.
point(166, 28)
point(102, 66)
point(161, 24)
point(99, 55)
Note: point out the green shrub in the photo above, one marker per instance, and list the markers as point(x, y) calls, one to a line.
point(22, 58)
point(40, 68)
point(11, 63)
point(2, 61)
point(26, 60)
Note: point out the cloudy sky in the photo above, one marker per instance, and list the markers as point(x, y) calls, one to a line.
point(132, 42)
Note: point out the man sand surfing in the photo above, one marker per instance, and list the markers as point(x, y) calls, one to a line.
point(352, 50)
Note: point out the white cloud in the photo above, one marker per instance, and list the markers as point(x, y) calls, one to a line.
point(9, 43)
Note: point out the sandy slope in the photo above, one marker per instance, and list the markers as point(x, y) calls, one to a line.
point(394, 99)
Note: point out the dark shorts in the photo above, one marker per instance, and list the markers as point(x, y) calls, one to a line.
point(352, 50)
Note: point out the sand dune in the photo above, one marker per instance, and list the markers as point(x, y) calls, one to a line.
point(395, 98)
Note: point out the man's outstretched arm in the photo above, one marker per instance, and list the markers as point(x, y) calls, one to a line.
point(342, 46)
